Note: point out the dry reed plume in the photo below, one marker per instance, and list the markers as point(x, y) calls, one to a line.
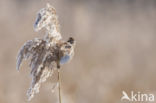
point(46, 54)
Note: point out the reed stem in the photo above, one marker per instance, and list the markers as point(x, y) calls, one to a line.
point(59, 85)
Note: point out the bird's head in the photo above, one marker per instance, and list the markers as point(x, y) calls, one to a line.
point(71, 40)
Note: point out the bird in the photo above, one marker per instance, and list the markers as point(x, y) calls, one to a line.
point(66, 51)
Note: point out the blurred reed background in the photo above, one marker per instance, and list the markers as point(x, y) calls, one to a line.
point(116, 49)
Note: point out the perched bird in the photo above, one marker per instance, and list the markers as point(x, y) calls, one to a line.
point(66, 51)
point(46, 54)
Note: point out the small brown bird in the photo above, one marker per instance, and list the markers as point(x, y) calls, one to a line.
point(66, 52)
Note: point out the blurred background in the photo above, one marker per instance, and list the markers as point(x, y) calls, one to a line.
point(115, 51)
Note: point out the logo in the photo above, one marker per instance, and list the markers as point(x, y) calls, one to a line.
point(137, 97)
